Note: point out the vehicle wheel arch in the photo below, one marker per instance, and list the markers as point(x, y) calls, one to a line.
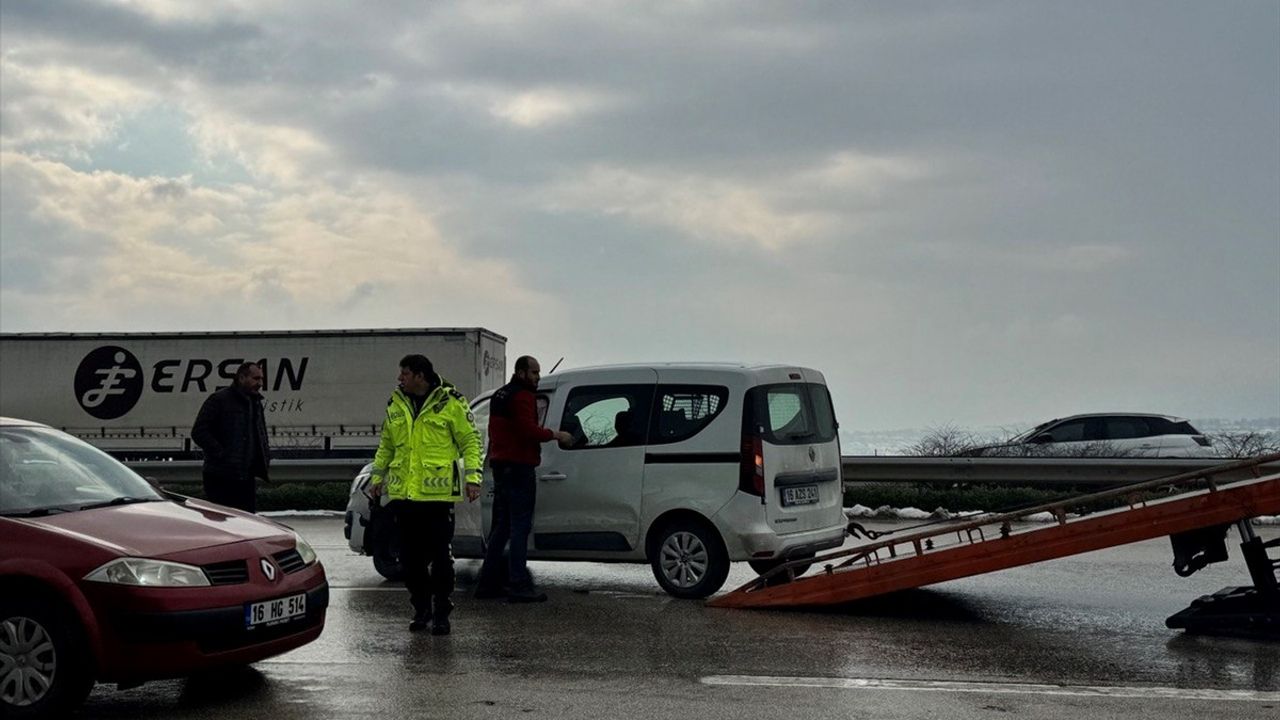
point(67, 598)
point(63, 625)
point(652, 535)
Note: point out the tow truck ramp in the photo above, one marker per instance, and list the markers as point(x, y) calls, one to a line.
point(1193, 508)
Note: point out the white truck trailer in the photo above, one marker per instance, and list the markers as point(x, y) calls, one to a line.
point(137, 394)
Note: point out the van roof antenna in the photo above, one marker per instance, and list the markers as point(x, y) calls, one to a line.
point(553, 367)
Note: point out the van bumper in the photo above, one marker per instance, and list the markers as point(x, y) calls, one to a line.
point(747, 536)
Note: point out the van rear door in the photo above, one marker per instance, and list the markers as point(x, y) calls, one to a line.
point(796, 429)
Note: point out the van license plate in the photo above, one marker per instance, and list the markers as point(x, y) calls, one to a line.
point(799, 495)
point(273, 612)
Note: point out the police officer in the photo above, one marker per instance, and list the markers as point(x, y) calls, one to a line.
point(429, 426)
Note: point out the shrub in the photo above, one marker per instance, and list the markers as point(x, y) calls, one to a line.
point(288, 496)
point(1245, 444)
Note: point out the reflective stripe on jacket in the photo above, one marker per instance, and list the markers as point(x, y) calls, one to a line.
point(418, 456)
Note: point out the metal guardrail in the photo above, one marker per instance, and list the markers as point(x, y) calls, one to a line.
point(1041, 472)
point(168, 472)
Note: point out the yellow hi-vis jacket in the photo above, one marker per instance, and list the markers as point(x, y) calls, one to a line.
point(418, 456)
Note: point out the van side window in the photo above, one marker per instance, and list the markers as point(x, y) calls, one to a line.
point(607, 415)
point(543, 403)
point(682, 411)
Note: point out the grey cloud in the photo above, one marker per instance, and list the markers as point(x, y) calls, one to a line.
point(170, 190)
point(214, 46)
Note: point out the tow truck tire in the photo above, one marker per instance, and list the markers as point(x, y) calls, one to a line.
point(44, 663)
point(384, 544)
point(689, 559)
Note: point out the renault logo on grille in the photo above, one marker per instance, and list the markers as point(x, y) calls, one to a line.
point(268, 569)
point(813, 454)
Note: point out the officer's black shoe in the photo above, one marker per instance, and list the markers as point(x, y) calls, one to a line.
point(526, 595)
point(420, 620)
point(440, 621)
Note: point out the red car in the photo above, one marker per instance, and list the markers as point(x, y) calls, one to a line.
point(105, 578)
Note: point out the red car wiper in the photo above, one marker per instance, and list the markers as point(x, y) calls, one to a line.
point(36, 512)
point(118, 501)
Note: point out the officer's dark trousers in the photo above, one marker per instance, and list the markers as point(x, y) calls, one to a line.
point(514, 495)
point(231, 490)
point(426, 552)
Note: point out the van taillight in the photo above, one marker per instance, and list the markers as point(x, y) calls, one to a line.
point(751, 475)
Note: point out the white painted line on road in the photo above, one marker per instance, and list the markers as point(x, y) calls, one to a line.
point(1145, 693)
point(356, 588)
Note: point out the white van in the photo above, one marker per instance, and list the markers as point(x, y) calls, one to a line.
point(685, 466)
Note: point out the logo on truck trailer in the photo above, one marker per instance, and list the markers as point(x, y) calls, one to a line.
point(494, 363)
point(109, 381)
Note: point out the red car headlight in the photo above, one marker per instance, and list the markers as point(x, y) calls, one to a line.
point(144, 572)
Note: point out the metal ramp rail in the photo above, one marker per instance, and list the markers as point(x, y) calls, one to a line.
point(989, 543)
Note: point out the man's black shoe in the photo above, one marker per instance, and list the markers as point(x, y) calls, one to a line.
point(420, 620)
point(440, 621)
point(526, 595)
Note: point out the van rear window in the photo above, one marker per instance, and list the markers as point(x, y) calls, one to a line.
point(790, 413)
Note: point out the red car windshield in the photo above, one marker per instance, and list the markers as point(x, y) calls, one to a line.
point(43, 471)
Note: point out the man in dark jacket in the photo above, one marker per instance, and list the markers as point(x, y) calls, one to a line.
point(514, 451)
point(232, 430)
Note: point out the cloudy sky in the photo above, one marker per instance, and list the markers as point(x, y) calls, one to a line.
point(963, 213)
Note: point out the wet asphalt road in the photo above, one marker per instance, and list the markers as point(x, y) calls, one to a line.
point(1071, 638)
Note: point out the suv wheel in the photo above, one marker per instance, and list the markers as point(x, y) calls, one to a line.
point(689, 559)
point(44, 670)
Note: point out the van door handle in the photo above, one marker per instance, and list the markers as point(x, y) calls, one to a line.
point(553, 476)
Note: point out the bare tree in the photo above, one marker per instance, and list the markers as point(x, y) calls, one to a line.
point(1245, 444)
point(944, 441)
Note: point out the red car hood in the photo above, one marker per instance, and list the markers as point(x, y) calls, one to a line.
point(155, 529)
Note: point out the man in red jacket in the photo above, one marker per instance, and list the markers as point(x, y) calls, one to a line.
point(515, 440)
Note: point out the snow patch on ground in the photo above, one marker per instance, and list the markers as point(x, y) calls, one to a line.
point(302, 513)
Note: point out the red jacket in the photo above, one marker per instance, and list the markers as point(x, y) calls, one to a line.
point(514, 433)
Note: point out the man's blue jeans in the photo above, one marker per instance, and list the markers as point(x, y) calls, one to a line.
point(514, 494)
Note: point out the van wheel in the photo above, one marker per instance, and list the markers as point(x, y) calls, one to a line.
point(689, 559)
point(384, 544)
point(44, 667)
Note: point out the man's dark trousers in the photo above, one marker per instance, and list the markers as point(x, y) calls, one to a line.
point(426, 552)
point(231, 490)
point(514, 494)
